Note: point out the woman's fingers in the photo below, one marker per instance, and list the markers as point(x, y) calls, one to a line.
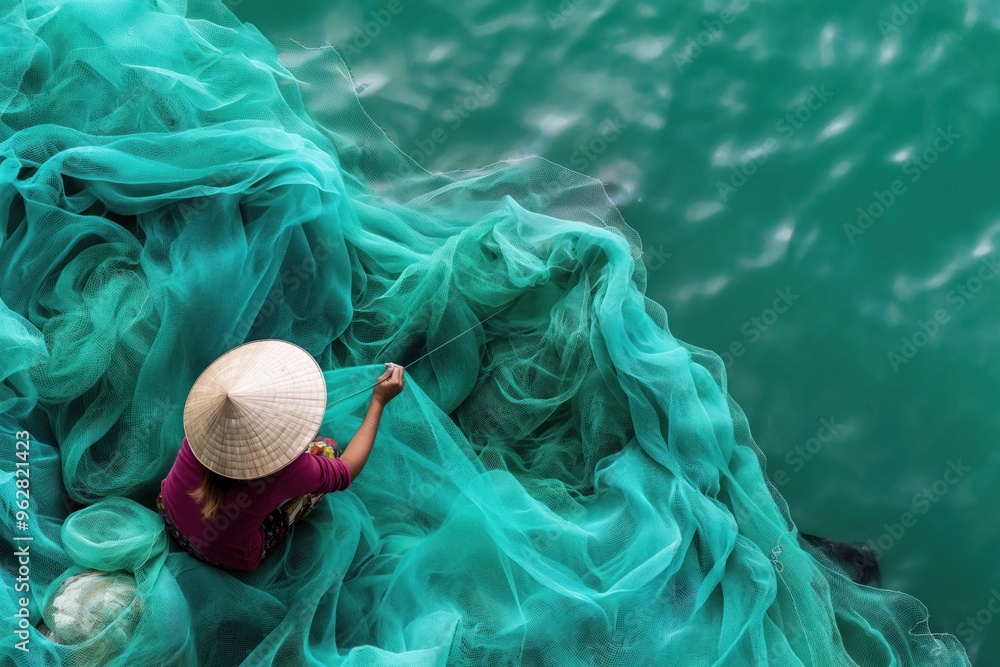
point(392, 371)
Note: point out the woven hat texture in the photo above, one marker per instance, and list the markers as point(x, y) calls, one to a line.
point(255, 408)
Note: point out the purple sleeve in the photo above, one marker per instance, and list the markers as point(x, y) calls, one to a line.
point(311, 473)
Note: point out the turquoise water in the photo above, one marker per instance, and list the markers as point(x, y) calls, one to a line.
point(860, 344)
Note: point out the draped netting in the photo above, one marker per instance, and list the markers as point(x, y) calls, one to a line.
point(567, 484)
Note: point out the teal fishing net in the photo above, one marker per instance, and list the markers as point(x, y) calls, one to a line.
point(566, 484)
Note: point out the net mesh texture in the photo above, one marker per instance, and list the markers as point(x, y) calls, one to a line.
point(567, 484)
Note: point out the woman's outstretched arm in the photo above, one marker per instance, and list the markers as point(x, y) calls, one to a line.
point(389, 385)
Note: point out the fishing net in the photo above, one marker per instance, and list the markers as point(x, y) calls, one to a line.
point(566, 484)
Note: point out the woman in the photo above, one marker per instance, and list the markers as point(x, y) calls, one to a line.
point(251, 463)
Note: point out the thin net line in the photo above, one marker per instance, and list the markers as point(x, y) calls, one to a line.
point(424, 356)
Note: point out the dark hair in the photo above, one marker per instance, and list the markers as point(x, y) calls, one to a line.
point(212, 492)
point(857, 558)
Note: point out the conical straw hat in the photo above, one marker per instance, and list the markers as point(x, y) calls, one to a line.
point(255, 409)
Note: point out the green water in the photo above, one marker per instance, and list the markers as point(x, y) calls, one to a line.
point(828, 108)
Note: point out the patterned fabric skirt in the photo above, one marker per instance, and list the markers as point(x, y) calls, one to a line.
point(276, 524)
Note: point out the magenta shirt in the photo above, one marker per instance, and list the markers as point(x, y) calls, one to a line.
point(234, 536)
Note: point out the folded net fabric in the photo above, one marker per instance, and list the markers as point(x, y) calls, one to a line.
point(567, 484)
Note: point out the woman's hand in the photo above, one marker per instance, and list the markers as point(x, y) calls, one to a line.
point(389, 384)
